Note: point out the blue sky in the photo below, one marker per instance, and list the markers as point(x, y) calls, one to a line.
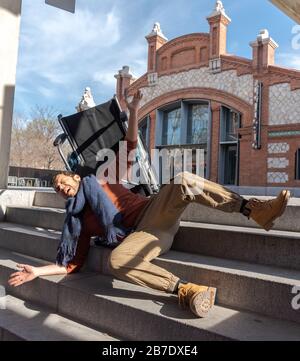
point(62, 53)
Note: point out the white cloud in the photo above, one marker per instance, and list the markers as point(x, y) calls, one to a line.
point(290, 60)
point(62, 47)
point(62, 53)
point(105, 78)
point(46, 92)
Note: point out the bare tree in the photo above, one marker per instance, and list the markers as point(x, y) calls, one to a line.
point(32, 140)
point(18, 142)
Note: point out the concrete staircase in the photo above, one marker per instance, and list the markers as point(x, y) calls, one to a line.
point(253, 270)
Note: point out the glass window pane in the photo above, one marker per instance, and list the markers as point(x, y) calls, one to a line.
point(171, 127)
point(230, 164)
point(144, 132)
point(232, 125)
point(143, 128)
point(197, 124)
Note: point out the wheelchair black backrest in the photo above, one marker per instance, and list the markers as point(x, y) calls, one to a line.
point(94, 129)
point(101, 127)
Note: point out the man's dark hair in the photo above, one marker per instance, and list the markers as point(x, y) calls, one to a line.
point(65, 172)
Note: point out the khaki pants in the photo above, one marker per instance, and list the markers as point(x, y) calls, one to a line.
point(157, 225)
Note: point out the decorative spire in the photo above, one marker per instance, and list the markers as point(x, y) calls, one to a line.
point(156, 31)
point(87, 101)
point(264, 48)
point(219, 6)
point(264, 37)
point(263, 34)
point(125, 71)
point(219, 10)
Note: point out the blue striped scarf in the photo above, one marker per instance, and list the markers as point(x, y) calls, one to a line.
point(110, 219)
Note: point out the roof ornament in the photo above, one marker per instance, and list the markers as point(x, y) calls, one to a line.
point(219, 6)
point(87, 101)
point(218, 10)
point(156, 31)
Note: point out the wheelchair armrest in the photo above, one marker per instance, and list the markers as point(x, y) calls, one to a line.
point(59, 140)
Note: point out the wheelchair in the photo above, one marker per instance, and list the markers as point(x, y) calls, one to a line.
point(102, 127)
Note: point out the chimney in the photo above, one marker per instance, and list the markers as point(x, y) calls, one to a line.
point(263, 50)
point(218, 22)
point(156, 40)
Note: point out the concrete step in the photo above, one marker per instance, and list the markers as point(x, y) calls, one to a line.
point(48, 218)
point(195, 213)
point(53, 218)
point(289, 221)
point(48, 199)
point(263, 289)
point(124, 309)
point(26, 321)
point(278, 248)
point(33, 241)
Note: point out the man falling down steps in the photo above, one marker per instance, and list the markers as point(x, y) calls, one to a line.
point(140, 228)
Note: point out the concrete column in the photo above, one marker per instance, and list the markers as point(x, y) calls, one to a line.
point(10, 14)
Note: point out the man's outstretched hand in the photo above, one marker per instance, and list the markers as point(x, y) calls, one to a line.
point(26, 274)
point(134, 104)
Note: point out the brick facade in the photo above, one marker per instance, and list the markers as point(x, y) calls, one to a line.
point(196, 66)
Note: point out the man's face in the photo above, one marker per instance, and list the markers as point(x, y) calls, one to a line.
point(67, 186)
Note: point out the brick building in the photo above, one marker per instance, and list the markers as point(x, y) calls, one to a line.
point(244, 113)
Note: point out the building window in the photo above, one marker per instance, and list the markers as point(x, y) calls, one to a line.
point(229, 126)
point(171, 127)
point(144, 130)
point(177, 161)
point(197, 124)
point(229, 146)
point(230, 165)
point(297, 165)
point(185, 124)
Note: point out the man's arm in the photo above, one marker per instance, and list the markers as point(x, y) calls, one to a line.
point(131, 138)
point(28, 273)
point(113, 168)
point(132, 131)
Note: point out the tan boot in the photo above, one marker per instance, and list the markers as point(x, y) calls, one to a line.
point(200, 299)
point(264, 213)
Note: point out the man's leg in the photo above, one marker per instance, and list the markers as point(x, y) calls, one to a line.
point(187, 187)
point(165, 208)
point(155, 230)
point(131, 262)
point(194, 188)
